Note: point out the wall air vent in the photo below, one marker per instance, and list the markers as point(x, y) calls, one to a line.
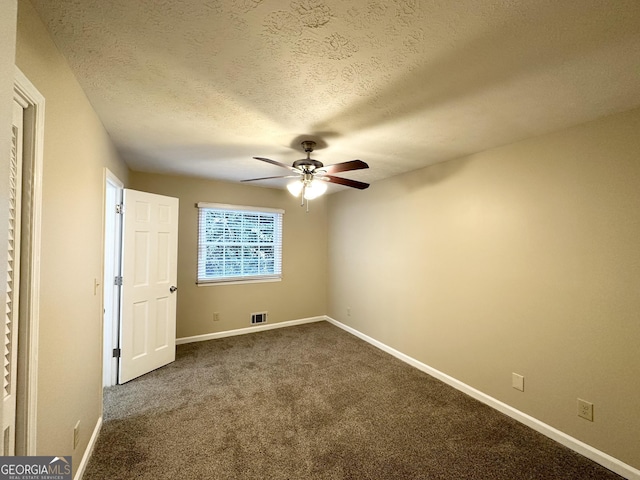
point(258, 318)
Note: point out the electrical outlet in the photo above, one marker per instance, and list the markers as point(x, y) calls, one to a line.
point(216, 316)
point(76, 435)
point(348, 311)
point(517, 382)
point(585, 409)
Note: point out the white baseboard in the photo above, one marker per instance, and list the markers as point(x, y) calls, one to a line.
point(89, 450)
point(243, 331)
point(574, 444)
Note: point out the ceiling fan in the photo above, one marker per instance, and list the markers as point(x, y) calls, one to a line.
point(312, 174)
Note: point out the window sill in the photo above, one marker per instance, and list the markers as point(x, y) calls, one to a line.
point(238, 282)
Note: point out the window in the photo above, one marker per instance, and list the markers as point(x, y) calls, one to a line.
point(238, 244)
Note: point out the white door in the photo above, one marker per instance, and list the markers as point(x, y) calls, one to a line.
point(149, 278)
point(13, 285)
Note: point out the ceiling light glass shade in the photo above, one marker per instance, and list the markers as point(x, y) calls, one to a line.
point(315, 189)
point(295, 188)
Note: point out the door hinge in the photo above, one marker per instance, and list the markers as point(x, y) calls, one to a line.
point(119, 208)
point(118, 281)
point(116, 353)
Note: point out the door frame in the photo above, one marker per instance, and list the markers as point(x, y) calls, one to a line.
point(113, 188)
point(31, 223)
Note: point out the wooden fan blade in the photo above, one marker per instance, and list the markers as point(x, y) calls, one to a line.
point(269, 178)
point(273, 162)
point(345, 181)
point(344, 166)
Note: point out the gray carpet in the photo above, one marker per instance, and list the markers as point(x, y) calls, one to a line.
point(312, 401)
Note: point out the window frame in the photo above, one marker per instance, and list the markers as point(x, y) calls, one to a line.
point(275, 276)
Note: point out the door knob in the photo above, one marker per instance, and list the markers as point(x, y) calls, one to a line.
point(173, 288)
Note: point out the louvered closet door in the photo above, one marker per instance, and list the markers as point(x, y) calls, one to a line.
point(13, 284)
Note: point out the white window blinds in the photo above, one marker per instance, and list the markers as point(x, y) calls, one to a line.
point(238, 243)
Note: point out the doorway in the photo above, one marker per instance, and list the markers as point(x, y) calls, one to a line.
point(112, 265)
point(140, 277)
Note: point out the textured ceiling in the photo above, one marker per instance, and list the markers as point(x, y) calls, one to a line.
point(198, 87)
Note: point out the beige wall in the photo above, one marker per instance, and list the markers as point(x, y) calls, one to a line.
point(76, 150)
point(520, 259)
point(7, 59)
point(301, 293)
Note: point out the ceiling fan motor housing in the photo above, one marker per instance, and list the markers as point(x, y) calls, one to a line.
point(307, 164)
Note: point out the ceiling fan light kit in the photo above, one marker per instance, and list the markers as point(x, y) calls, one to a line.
point(308, 188)
point(313, 175)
